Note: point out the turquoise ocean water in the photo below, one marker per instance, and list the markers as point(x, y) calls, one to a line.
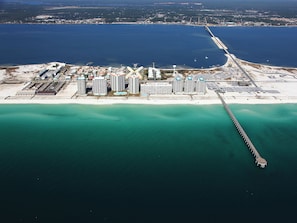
point(131, 163)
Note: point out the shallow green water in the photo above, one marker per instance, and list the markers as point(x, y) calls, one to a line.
point(140, 163)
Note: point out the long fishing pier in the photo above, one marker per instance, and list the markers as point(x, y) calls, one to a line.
point(260, 161)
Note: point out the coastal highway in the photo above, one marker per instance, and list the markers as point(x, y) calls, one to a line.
point(221, 45)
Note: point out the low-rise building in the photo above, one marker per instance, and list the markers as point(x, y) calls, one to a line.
point(156, 88)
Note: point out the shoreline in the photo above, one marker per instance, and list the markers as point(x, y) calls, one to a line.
point(145, 102)
point(157, 100)
point(141, 23)
point(278, 84)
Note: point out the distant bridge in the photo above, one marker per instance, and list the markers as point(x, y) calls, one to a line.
point(221, 45)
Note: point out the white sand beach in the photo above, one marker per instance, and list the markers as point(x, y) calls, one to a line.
point(278, 84)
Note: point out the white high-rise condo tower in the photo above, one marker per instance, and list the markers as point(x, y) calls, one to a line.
point(81, 85)
point(178, 85)
point(201, 86)
point(117, 82)
point(189, 86)
point(133, 85)
point(99, 86)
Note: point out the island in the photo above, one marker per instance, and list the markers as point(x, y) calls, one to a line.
point(237, 80)
point(55, 83)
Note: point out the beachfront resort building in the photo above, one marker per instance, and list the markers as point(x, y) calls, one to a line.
point(201, 86)
point(99, 86)
point(134, 84)
point(81, 85)
point(154, 73)
point(117, 81)
point(156, 88)
point(189, 87)
point(178, 85)
point(192, 84)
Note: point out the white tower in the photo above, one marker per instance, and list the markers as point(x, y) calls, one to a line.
point(81, 85)
point(201, 86)
point(178, 85)
point(117, 82)
point(174, 70)
point(134, 76)
point(134, 85)
point(99, 86)
point(189, 86)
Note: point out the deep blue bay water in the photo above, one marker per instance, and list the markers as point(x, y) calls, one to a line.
point(265, 45)
point(186, 46)
point(130, 163)
point(165, 45)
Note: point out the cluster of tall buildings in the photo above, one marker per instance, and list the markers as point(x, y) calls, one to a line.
point(190, 85)
point(117, 83)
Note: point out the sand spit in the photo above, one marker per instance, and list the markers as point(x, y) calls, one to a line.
point(278, 85)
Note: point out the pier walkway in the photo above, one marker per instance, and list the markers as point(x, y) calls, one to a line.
point(221, 45)
point(261, 162)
